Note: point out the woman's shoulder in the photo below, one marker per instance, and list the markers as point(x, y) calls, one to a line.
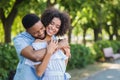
point(39, 44)
point(39, 40)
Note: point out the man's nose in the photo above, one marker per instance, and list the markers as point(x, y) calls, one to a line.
point(41, 32)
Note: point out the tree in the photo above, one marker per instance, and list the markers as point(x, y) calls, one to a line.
point(8, 19)
point(72, 7)
point(9, 9)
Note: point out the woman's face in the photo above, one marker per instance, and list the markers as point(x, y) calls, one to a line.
point(53, 27)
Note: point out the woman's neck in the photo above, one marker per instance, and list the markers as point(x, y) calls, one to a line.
point(48, 38)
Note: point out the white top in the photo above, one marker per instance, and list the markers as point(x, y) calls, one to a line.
point(56, 67)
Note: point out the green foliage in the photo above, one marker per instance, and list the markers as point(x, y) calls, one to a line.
point(1, 33)
point(8, 60)
point(17, 27)
point(81, 56)
point(84, 14)
point(7, 6)
point(32, 6)
point(99, 45)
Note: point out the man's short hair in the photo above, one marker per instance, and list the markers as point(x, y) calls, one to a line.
point(29, 20)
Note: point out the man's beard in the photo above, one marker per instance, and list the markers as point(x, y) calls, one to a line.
point(43, 37)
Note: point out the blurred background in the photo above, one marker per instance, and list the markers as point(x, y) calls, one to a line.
point(95, 24)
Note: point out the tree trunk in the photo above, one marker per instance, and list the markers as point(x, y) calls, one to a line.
point(110, 37)
point(7, 24)
point(84, 34)
point(95, 35)
point(97, 32)
point(7, 32)
point(69, 34)
point(8, 21)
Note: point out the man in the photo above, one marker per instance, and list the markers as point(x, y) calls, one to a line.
point(22, 42)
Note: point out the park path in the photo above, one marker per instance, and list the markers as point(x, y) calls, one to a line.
point(98, 71)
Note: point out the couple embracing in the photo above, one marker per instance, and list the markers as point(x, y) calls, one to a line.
point(41, 55)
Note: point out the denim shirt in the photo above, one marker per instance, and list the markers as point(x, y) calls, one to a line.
point(23, 71)
point(21, 41)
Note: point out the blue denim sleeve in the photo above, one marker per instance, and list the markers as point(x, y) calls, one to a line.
point(19, 44)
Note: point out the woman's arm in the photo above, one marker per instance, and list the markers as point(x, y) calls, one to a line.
point(50, 50)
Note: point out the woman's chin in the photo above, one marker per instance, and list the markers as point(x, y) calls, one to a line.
point(50, 34)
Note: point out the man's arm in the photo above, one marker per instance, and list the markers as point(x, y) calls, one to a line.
point(23, 48)
point(63, 43)
point(34, 55)
point(38, 55)
point(67, 53)
point(64, 46)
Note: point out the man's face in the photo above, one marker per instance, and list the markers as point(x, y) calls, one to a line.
point(37, 30)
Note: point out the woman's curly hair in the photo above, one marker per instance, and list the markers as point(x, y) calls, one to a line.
point(51, 13)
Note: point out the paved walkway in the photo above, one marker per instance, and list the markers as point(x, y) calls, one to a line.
point(111, 73)
point(99, 71)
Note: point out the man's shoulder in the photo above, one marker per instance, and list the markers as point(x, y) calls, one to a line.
point(23, 35)
point(19, 36)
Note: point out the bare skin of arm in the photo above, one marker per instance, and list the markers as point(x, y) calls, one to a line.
point(38, 55)
point(64, 46)
point(41, 67)
point(63, 43)
point(67, 53)
point(34, 55)
point(50, 50)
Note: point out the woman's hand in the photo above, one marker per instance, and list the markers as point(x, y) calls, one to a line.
point(52, 46)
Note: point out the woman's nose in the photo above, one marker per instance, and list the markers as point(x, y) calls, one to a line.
point(53, 27)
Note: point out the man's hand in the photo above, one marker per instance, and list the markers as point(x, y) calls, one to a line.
point(63, 43)
point(67, 52)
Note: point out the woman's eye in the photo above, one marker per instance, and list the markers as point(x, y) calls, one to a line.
point(52, 23)
point(57, 27)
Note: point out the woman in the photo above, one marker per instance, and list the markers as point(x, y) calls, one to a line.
point(54, 66)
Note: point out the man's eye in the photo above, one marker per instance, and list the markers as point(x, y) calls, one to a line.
point(34, 33)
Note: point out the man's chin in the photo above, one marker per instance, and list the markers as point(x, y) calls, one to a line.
point(40, 38)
